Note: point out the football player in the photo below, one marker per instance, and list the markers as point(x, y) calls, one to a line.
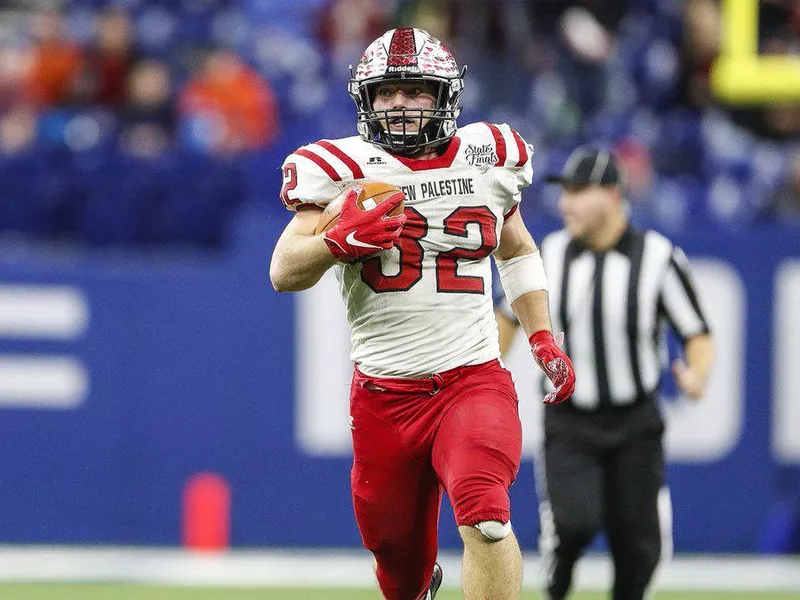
point(432, 407)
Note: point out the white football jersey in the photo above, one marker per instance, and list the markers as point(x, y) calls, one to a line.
point(425, 306)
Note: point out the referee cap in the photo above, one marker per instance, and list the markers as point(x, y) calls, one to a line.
point(588, 165)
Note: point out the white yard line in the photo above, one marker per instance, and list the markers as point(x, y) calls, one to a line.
point(338, 568)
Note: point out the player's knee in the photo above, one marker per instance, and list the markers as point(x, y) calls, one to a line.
point(494, 531)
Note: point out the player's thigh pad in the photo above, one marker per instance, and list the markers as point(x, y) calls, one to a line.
point(476, 452)
point(396, 499)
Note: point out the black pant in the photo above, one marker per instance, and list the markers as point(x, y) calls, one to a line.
point(603, 471)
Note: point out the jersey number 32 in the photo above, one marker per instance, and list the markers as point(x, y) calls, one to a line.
point(448, 281)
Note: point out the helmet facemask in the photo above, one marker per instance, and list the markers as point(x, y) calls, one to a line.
point(434, 126)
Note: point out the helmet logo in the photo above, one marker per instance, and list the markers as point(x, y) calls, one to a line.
point(402, 69)
point(403, 48)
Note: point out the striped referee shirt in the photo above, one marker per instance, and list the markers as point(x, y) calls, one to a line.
point(612, 307)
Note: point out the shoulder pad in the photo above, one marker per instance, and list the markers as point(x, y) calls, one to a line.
point(317, 173)
point(510, 149)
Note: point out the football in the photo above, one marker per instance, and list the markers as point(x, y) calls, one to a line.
point(370, 194)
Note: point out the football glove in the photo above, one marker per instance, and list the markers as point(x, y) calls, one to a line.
point(555, 364)
point(360, 233)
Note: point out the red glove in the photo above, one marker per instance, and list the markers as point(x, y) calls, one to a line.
point(555, 364)
point(359, 233)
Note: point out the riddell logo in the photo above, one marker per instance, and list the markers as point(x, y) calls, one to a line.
point(402, 68)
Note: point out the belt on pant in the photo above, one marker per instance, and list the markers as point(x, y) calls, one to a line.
point(416, 385)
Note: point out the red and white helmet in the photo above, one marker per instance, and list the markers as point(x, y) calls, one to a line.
point(407, 54)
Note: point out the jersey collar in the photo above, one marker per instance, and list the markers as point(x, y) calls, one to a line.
point(442, 161)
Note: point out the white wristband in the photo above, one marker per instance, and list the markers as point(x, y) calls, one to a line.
point(522, 274)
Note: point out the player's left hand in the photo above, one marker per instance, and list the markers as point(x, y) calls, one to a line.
point(555, 364)
point(689, 381)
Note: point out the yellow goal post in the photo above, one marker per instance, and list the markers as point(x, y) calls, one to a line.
point(740, 75)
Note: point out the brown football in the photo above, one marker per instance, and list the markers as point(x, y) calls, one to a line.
point(371, 193)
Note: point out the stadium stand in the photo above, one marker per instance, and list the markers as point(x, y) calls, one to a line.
point(91, 155)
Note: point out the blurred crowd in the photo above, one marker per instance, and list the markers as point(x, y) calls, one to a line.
point(57, 64)
point(115, 128)
point(633, 75)
point(141, 121)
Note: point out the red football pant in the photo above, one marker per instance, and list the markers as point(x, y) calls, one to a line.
point(458, 430)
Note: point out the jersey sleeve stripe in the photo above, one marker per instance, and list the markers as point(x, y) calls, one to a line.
point(521, 148)
point(289, 203)
point(348, 162)
point(499, 144)
point(320, 162)
point(511, 212)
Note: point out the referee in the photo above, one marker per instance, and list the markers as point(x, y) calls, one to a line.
point(612, 288)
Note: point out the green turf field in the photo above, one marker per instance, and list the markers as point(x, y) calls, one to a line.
point(122, 592)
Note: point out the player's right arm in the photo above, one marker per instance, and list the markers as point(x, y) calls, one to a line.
point(300, 258)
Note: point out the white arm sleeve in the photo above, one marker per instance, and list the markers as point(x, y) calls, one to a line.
point(522, 274)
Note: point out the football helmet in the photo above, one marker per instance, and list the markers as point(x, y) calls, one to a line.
point(407, 55)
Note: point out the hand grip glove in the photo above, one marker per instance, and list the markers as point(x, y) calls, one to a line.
point(360, 233)
point(555, 364)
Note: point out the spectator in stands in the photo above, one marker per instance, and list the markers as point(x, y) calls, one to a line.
point(18, 119)
point(14, 62)
point(228, 107)
point(586, 40)
point(17, 129)
point(345, 27)
point(587, 27)
point(55, 63)
point(493, 36)
point(430, 15)
point(785, 202)
point(107, 62)
point(147, 121)
point(701, 44)
point(637, 164)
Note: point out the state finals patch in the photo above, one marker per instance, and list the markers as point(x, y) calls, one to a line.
point(480, 156)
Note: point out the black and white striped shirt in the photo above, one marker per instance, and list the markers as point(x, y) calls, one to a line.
point(612, 307)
